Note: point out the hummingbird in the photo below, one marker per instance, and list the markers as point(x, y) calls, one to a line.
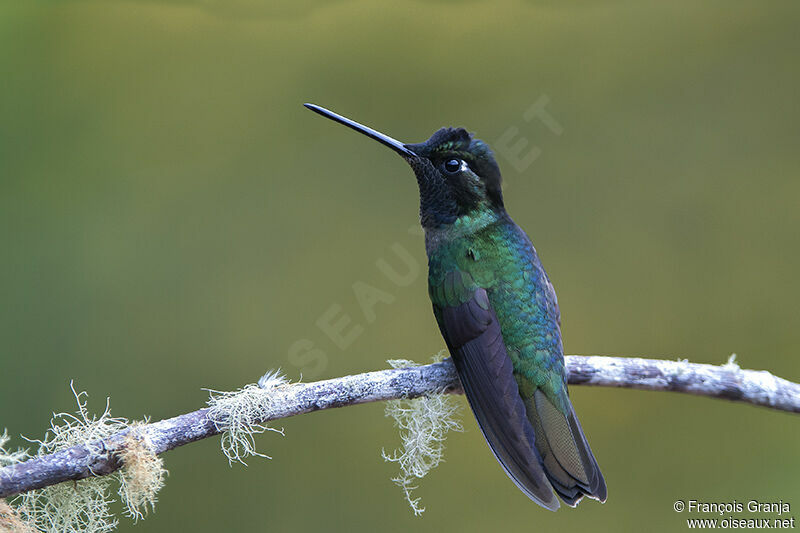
point(499, 316)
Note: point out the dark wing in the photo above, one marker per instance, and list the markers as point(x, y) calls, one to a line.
point(473, 335)
point(567, 458)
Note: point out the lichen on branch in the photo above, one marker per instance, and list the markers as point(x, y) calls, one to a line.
point(423, 424)
point(84, 505)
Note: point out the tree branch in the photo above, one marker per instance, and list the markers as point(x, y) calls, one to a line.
point(100, 458)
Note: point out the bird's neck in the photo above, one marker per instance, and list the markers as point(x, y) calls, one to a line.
point(463, 226)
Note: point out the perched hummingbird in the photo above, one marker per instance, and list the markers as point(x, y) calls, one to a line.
point(499, 317)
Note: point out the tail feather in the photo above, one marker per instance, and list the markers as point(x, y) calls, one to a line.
point(568, 461)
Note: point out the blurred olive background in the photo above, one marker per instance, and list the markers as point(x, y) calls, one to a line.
point(172, 218)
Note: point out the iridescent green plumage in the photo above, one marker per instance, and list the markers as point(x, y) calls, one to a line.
point(499, 257)
point(499, 316)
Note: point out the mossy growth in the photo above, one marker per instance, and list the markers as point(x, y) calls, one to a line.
point(423, 424)
point(84, 505)
point(237, 413)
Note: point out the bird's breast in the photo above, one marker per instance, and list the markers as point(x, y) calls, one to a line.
point(503, 261)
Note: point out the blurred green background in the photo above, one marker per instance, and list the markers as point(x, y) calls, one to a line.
point(171, 218)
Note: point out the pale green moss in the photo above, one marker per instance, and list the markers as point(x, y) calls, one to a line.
point(83, 506)
point(237, 413)
point(8, 457)
point(423, 424)
point(142, 475)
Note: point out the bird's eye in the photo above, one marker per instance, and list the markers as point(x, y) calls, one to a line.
point(452, 166)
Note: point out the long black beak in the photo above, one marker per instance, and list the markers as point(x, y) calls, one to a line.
point(385, 140)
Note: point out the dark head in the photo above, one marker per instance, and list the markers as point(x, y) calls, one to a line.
point(457, 174)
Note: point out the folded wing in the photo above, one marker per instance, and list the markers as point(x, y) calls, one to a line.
point(473, 335)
